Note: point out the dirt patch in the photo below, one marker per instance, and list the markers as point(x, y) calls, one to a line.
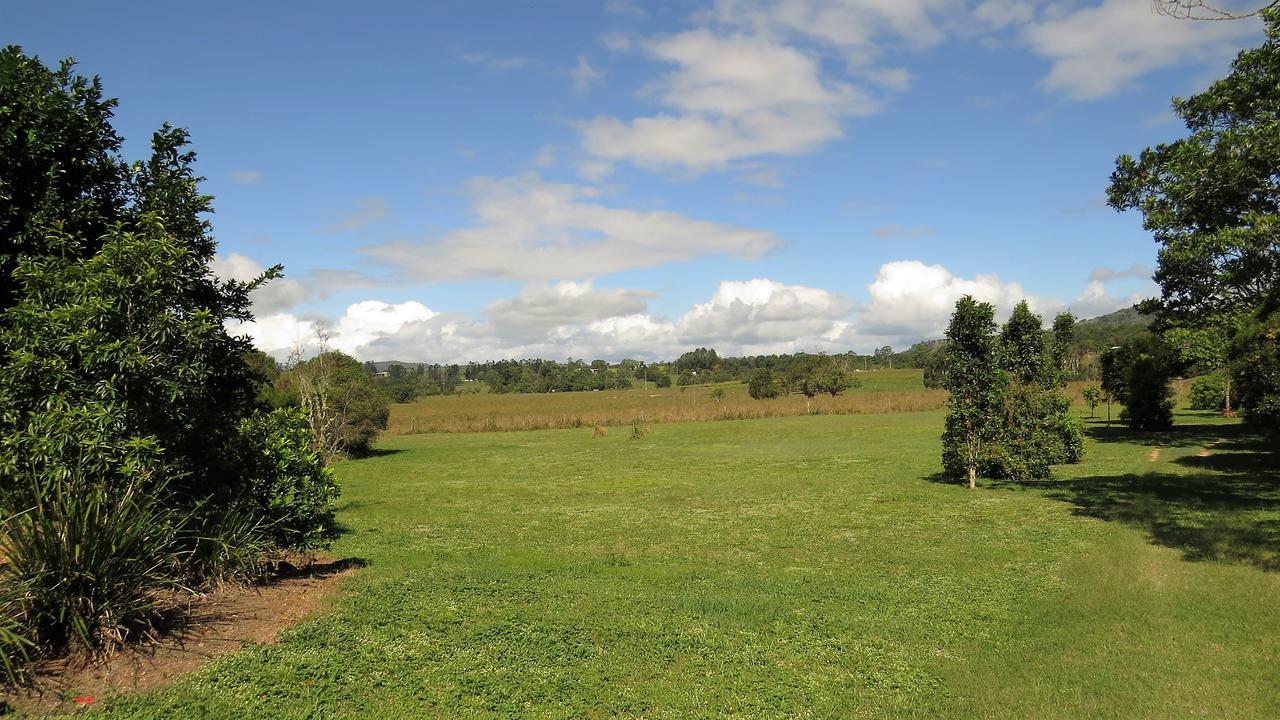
point(215, 624)
point(1207, 450)
point(1154, 455)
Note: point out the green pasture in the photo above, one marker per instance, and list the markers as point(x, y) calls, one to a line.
point(787, 567)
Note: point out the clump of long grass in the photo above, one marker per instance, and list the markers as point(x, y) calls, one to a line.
point(85, 568)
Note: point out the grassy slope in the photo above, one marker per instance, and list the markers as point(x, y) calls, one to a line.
point(778, 568)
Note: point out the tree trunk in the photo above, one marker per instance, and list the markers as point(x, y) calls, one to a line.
point(973, 476)
point(1226, 398)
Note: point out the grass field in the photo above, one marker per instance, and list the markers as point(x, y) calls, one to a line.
point(787, 567)
point(881, 391)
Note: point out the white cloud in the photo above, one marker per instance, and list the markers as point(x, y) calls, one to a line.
point(528, 228)
point(732, 97)
point(765, 316)
point(541, 307)
point(584, 75)
point(909, 301)
point(368, 210)
point(274, 297)
point(277, 334)
point(1101, 49)
point(853, 26)
point(912, 301)
point(246, 177)
point(367, 321)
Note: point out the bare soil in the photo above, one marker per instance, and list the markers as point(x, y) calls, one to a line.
point(212, 625)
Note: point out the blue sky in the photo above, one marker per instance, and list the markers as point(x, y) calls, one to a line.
point(454, 182)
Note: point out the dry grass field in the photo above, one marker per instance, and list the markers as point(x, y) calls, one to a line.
point(882, 391)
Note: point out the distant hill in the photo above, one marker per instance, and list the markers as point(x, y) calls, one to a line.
point(1117, 328)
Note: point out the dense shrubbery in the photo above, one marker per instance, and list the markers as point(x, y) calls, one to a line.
point(132, 460)
point(1008, 417)
point(1210, 392)
point(1139, 376)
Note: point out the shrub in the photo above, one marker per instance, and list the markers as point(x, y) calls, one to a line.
point(1209, 392)
point(1149, 405)
point(1037, 431)
point(763, 384)
point(287, 488)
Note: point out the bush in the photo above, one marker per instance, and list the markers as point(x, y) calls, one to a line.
point(287, 486)
point(1036, 431)
point(1209, 392)
point(763, 384)
point(1149, 405)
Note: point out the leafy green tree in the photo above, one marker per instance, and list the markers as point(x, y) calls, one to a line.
point(123, 399)
point(977, 388)
point(1022, 345)
point(1092, 397)
point(763, 384)
point(1150, 397)
point(1211, 201)
point(1036, 426)
point(60, 166)
point(344, 407)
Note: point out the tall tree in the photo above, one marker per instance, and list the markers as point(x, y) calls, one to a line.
point(976, 383)
point(1212, 200)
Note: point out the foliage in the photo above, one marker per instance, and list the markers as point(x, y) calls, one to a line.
point(121, 392)
point(343, 406)
point(763, 384)
point(1036, 426)
point(1149, 396)
point(59, 163)
point(976, 384)
point(1210, 199)
point(1256, 354)
point(1213, 392)
point(1093, 396)
point(288, 489)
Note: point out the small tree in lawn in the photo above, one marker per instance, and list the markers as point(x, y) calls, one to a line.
point(763, 384)
point(1092, 397)
point(976, 383)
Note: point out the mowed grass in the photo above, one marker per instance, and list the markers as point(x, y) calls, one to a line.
point(787, 567)
point(881, 391)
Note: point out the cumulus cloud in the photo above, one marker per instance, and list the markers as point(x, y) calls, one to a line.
point(527, 228)
point(1098, 50)
point(911, 300)
point(576, 319)
point(767, 316)
point(732, 97)
point(368, 210)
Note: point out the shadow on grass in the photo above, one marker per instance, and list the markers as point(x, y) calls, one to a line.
point(1224, 508)
point(375, 453)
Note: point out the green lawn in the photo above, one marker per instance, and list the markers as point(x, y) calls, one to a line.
point(789, 567)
